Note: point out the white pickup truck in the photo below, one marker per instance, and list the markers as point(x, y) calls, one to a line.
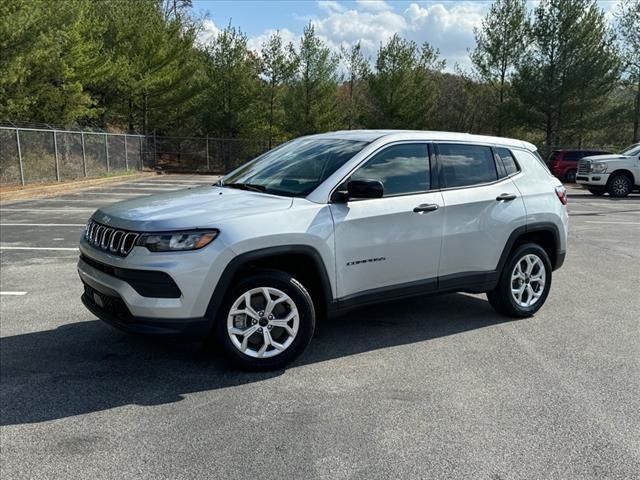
point(617, 174)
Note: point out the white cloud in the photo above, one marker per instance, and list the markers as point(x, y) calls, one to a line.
point(208, 32)
point(374, 5)
point(255, 43)
point(330, 6)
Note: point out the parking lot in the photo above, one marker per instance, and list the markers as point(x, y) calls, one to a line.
point(437, 387)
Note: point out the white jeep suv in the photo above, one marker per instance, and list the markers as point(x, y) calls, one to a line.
point(323, 224)
point(617, 175)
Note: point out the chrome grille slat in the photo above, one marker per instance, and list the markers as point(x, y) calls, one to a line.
point(110, 239)
point(584, 166)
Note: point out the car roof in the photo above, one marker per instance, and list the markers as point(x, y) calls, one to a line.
point(372, 135)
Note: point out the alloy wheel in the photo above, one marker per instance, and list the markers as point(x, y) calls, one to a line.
point(528, 279)
point(263, 322)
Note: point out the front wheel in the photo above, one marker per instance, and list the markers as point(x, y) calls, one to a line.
point(524, 282)
point(266, 321)
point(619, 185)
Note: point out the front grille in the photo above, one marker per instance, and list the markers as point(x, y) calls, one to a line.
point(110, 239)
point(584, 166)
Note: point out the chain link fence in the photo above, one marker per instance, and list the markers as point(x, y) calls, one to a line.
point(33, 155)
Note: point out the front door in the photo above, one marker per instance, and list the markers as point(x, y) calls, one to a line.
point(392, 241)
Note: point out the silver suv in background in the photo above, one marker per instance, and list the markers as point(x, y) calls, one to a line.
point(323, 224)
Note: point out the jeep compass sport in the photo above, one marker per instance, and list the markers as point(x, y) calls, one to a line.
point(323, 224)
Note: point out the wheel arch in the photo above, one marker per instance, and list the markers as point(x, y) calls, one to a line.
point(545, 234)
point(303, 262)
point(625, 172)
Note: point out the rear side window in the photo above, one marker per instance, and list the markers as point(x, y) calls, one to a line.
point(573, 156)
point(463, 165)
point(508, 162)
point(402, 169)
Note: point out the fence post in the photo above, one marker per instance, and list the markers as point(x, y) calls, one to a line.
point(106, 149)
point(208, 167)
point(126, 154)
point(84, 156)
point(55, 151)
point(20, 157)
point(155, 149)
point(141, 152)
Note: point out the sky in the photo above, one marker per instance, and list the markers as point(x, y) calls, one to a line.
point(446, 25)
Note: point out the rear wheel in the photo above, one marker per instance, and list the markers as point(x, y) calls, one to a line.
point(570, 176)
point(267, 320)
point(598, 192)
point(524, 282)
point(619, 185)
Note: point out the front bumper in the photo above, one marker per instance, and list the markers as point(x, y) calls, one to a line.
point(592, 179)
point(195, 275)
point(113, 311)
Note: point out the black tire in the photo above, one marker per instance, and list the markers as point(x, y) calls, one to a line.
point(306, 313)
point(501, 298)
point(598, 192)
point(619, 185)
point(570, 176)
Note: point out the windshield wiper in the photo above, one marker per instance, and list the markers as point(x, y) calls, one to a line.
point(246, 186)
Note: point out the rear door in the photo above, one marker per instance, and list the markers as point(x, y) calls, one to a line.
point(482, 206)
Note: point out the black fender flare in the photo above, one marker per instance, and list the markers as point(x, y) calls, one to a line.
point(533, 227)
point(243, 259)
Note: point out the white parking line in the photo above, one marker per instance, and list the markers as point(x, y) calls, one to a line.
point(42, 225)
point(66, 249)
point(63, 210)
point(13, 293)
point(119, 194)
point(614, 223)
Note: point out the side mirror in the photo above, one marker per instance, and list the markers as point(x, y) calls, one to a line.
point(365, 189)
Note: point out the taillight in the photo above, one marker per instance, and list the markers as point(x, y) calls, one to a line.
point(561, 192)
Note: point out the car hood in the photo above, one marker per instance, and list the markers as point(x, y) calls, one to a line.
point(201, 207)
point(604, 158)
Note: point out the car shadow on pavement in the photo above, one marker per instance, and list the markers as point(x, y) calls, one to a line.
point(87, 367)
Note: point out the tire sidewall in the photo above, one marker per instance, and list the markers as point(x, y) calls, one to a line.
point(612, 192)
point(505, 281)
point(298, 294)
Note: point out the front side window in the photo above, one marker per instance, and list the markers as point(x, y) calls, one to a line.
point(402, 169)
point(296, 168)
point(465, 165)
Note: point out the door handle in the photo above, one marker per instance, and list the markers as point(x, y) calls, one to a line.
point(506, 197)
point(426, 207)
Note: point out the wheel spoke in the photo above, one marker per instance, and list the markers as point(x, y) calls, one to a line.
point(283, 324)
point(248, 307)
point(247, 333)
point(266, 339)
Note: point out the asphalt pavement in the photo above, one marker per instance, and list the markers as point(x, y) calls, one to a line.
point(437, 387)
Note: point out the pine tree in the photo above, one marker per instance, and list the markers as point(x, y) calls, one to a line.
point(568, 70)
point(310, 104)
point(500, 44)
point(357, 70)
point(628, 27)
point(402, 89)
point(277, 66)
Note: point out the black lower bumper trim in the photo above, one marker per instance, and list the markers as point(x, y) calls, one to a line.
point(188, 327)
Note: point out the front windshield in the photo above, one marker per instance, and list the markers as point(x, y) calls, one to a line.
point(632, 150)
point(296, 168)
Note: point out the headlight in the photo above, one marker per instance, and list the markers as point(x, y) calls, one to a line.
point(177, 241)
point(599, 167)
